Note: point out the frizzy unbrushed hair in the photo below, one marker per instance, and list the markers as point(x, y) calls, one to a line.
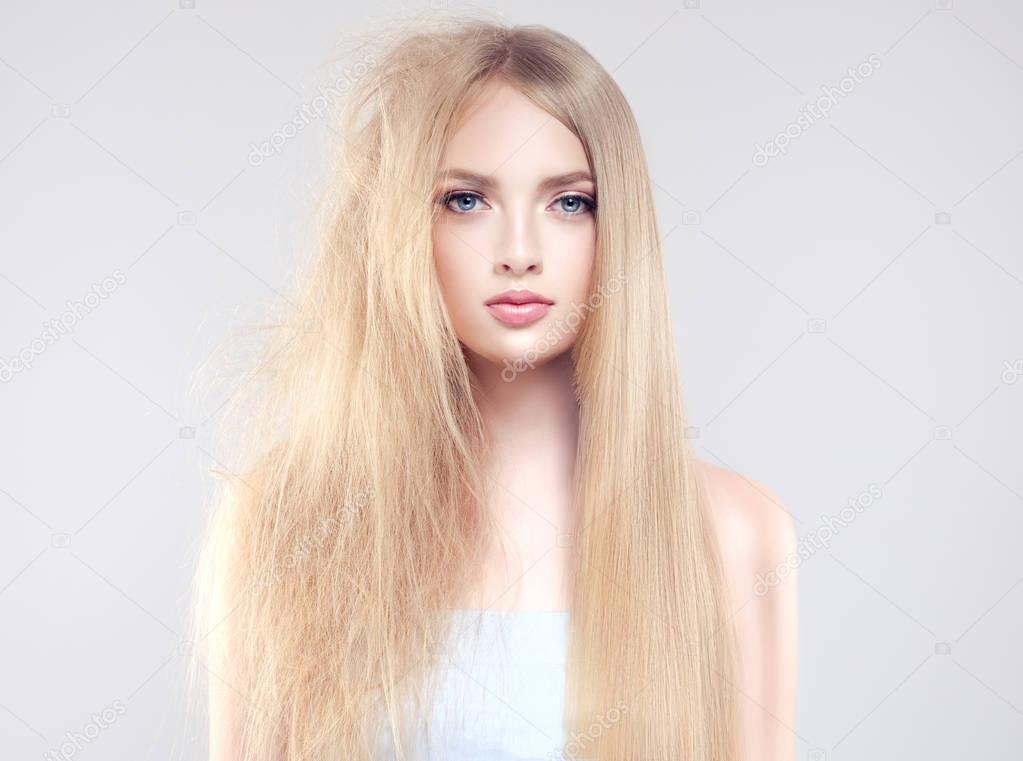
point(360, 416)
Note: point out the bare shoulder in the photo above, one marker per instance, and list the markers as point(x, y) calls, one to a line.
point(758, 546)
point(753, 526)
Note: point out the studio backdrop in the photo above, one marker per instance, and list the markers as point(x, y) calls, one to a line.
point(838, 190)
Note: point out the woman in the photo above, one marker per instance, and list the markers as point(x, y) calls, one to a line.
point(475, 408)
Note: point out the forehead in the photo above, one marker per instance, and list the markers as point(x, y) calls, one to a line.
point(503, 133)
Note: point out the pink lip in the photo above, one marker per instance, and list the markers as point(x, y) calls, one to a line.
point(518, 314)
point(518, 307)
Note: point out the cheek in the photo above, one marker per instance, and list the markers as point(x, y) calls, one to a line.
point(458, 274)
point(570, 260)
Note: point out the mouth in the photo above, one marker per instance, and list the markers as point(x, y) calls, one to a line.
point(518, 308)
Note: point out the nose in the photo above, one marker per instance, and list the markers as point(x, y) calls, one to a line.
point(519, 251)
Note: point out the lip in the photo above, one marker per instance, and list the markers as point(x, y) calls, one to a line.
point(518, 307)
point(518, 297)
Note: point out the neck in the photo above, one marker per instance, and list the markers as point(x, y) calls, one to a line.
point(532, 423)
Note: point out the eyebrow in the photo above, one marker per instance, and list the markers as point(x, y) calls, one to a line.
point(486, 183)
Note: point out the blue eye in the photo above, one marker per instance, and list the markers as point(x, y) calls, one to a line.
point(465, 202)
point(573, 205)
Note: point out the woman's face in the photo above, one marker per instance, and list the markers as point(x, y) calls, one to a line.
point(516, 224)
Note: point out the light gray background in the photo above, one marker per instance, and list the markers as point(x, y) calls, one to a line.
point(836, 331)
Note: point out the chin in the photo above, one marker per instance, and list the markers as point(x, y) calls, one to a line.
point(514, 358)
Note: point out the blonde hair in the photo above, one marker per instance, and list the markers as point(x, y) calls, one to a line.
point(341, 541)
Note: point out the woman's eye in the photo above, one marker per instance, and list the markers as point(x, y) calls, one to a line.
point(574, 204)
point(463, 202)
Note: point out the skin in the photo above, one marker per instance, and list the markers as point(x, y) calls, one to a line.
point(756, 535)
point(519, 235)
point(516, 235)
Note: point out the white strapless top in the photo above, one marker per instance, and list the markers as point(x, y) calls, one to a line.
point(501, 698)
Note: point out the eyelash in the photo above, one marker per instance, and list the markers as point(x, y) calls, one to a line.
point(588, 206)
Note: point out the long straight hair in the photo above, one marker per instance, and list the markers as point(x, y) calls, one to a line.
point(340, 543)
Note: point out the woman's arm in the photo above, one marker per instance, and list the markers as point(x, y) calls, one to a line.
point(231, 584)
point(224, 701)
point(758, 548)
